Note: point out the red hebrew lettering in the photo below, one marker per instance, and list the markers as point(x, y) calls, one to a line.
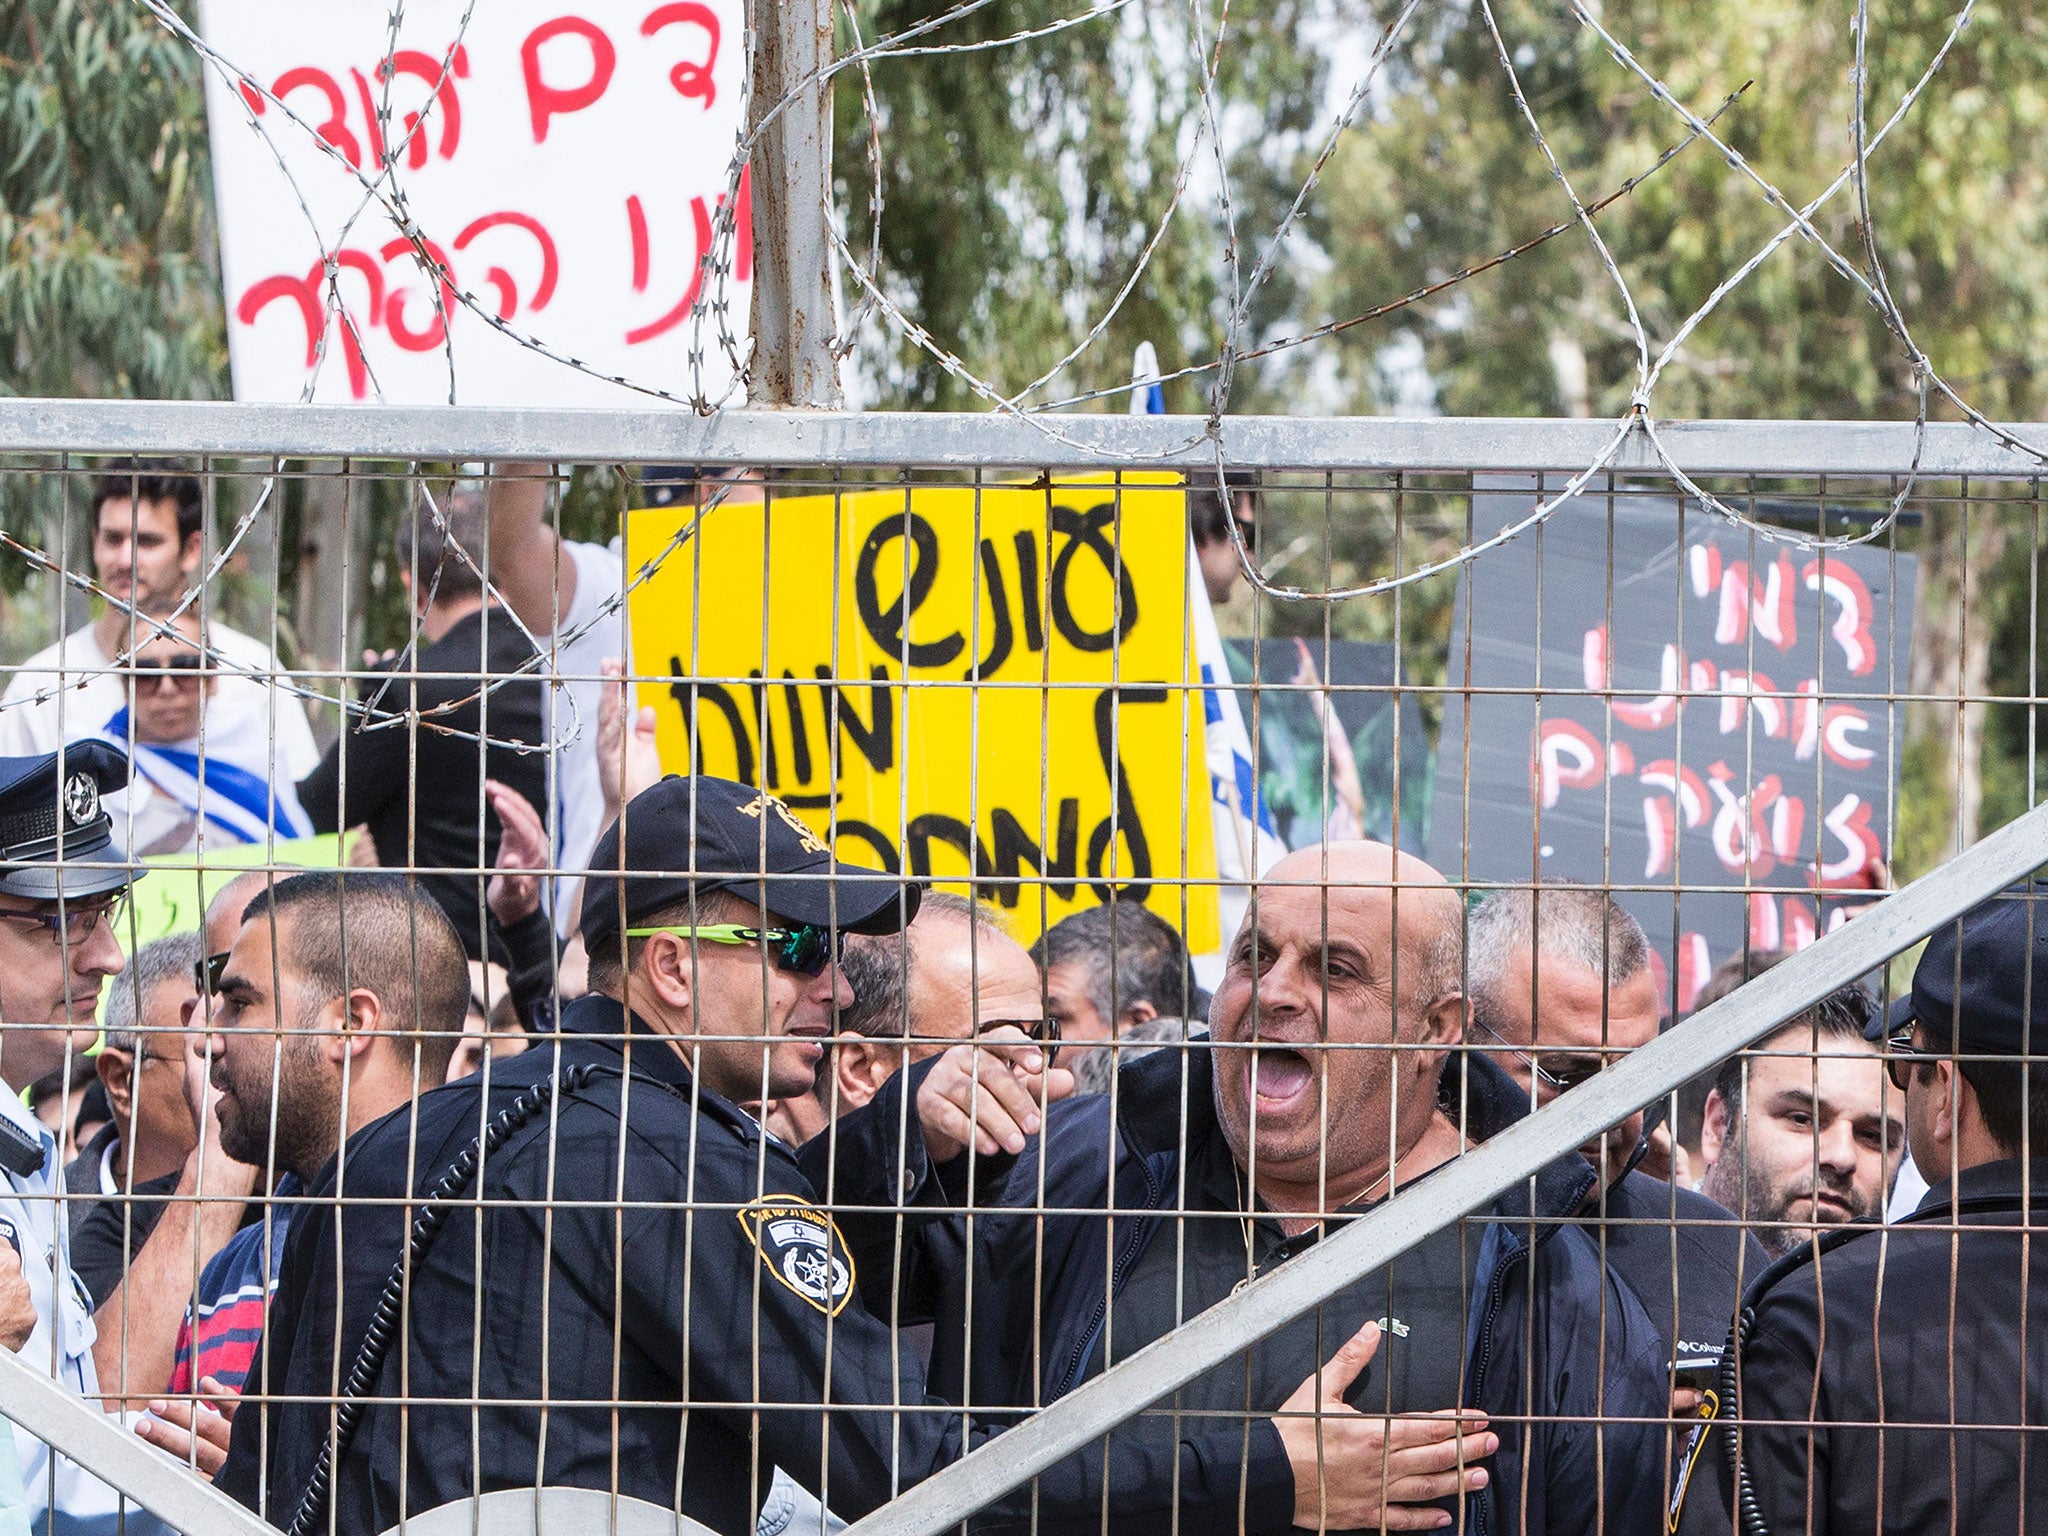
point(1767, 604)
point(1763, 921)
point(545, 101)
point(1567, 757)
point(1780, 820)
point(1656, 713)
point(1838, 724)
point(688, 302)
point(1796, 925)
point(743, 228)
point(427, 69)
point(1704, 563)
point(1851, 628)
point(370, 124)
point(335, 129)
point(1849, 825)
point(1684, 797)
point(1744, 837)
point(302, 291)
point(306, 293)
point(1621, 759)
point(1806, 711)
point(636, 224)
point(1695, 965)
point(394, 306)
point(1660, 826)
point(1666, 775)
point(498, 277)
point(254, 98)
point(688, 79)
point(1743, 691)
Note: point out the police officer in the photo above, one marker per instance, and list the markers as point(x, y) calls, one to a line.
point(61, 898)
point(1863, 1360)
point(658, 1304)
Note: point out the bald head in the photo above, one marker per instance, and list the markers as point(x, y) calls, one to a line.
point(224, 912)
point(1371, 887)
point(1339, 998)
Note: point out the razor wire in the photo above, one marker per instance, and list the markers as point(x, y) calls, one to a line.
point(381, 186)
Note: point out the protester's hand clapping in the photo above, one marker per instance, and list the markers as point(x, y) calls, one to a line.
point(987, 1090)
point(17, 1303)
point(195, 1433)
point(1354, 1471)
point(627, 761)
point(514, 891)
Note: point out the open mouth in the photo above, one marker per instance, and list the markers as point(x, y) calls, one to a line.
point(1280, 1077)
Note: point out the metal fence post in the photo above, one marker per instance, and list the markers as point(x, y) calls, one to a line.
point(793, 317)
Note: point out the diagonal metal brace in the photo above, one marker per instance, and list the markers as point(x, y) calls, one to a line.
point(1466, 1184)
point(100, 1442)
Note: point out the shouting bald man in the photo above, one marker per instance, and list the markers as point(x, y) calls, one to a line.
point(1315, 1098)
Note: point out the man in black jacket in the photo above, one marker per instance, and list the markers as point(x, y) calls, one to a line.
point(1315, 1098)
point(473, 681)
point(656, 1303)
point(1893, 1380)
point(1562, 987)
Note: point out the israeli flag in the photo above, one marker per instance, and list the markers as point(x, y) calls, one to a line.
point(240, 803)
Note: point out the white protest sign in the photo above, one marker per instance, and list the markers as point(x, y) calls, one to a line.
point(565, 160)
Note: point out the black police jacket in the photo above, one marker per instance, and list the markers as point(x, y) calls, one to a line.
point(1548, 1331)
point(1892, 1344)
point(659, 1273)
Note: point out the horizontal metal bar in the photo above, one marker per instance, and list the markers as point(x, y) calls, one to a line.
point(75, 1427)
point(884, 439)
point(1503, 1161)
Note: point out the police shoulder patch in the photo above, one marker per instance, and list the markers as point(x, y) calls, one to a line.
point(801, 1247)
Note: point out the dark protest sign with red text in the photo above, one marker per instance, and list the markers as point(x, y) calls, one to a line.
point(1746, 746)
point(566, 163)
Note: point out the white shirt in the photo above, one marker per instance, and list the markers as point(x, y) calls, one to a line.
point(32, 1221)
point(249, 721)
point(573, 703)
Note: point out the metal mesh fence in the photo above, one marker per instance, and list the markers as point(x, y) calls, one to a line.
point(1336, 867)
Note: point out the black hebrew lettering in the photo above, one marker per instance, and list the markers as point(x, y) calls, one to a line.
point(876, 740)
point(888, 628)
point(683, 690)
point(1030, 596)
point(1084, 529)
point(1126, 821)
point(1014, 849)
point(999, 603)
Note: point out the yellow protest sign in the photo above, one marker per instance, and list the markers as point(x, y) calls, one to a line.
point(997, 683)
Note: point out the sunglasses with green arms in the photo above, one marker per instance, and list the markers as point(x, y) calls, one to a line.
point(805, 948)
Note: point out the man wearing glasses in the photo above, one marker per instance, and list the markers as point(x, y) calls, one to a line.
point(1892, 1379)
point(62, 898)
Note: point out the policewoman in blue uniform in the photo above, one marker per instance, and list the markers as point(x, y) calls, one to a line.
point(657, 1302)
point(61, 897)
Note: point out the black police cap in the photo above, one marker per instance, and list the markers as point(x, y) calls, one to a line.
point(740, 840)
point(50, 812)
point(1981, 987)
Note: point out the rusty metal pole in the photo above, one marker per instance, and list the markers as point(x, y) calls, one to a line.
point(793, 319)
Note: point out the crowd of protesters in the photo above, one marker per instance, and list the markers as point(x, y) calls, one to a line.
point(967, 1173)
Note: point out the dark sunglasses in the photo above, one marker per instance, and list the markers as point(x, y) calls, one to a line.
point(1902, 1056)
point(805, 948)
point(206, 974)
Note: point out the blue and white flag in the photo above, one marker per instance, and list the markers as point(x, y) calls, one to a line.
point(241, 803)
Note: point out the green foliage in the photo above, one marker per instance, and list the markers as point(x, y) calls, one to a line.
point(108, 283)
point(1022, 184)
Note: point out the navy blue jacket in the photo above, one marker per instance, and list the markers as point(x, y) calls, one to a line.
point(643, 1259)
point(1040, 1298)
